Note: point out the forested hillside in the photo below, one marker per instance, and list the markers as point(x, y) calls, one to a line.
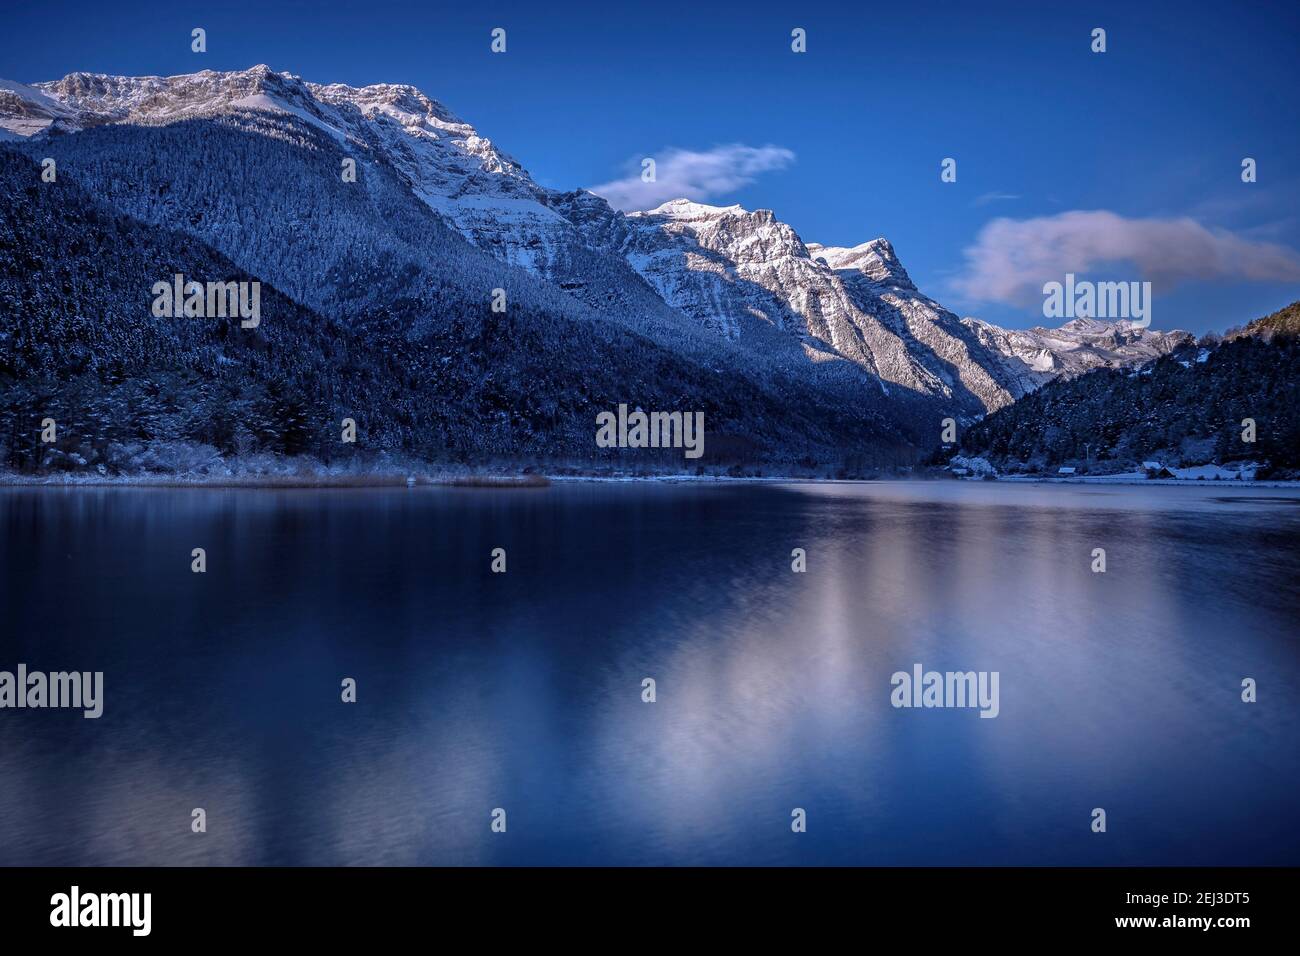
point(1185, 408)
point(423, 366)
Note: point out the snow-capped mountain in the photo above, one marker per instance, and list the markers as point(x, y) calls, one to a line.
point(697, 276)
point(880, 287)
point(449, 166)
point(372, 309)
point(446, 162)
point(748, 278)
point(1039, 355)
point(726, 265)
point(25, 112)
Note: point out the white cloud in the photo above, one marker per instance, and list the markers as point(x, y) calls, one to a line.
point(1011, 259)
point(687, 174)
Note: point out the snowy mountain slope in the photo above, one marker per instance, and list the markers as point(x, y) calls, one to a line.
point(415, 357)
point(1039, 355)
point(746, 274)
point(274, 203)
point(747, 279)
point(25, 111)
point(481, 192)
point(881, 288)
point(730, 268)
point(216, 206)
point(875, 259)
point(706, 280)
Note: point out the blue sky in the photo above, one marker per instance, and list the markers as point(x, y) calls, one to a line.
point(1153, 129)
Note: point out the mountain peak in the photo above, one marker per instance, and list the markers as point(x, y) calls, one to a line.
point(689, 209)
point(100, 98)
point(402, 102)
point(875, 259)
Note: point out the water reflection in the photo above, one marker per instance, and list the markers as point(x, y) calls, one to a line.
point(523, 690)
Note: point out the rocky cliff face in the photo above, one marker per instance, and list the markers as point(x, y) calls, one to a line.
point(1035, 356)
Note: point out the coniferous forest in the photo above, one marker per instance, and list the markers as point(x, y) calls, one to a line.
point(1185, 408)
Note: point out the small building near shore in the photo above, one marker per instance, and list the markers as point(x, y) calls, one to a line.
point(1155, 469)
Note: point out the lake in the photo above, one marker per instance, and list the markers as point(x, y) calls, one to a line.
point(523, 690)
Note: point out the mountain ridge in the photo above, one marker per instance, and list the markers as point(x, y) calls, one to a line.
point(744, 266)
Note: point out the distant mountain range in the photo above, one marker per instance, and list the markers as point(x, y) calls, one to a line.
point(798, 353)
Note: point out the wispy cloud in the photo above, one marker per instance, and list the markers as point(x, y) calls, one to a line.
point(690, 174)
point(1011, 259)
point(987, 198)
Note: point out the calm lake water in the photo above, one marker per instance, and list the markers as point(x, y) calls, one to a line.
point(523, 690)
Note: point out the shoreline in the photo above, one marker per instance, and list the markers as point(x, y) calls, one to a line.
point(535, 481)
point(274, 482)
